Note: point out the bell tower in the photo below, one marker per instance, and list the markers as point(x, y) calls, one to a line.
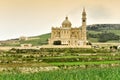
point(84, 17)
point(84, 36)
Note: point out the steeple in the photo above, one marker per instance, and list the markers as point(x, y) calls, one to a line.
point(84, 12)
point(84, 17)
point(84, 26)
point(83, 9)
point(66, 17)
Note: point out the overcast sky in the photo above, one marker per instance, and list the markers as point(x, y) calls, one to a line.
point(36, 17)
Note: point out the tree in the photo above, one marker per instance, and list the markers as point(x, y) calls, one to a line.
point(104, 37)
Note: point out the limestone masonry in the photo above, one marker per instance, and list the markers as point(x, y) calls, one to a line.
point(67, 35)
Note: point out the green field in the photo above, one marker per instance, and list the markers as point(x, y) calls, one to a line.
point(71, 63)
point(83, 63)
point(75, 74)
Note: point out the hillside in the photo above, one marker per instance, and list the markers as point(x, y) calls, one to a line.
point(95, 33)
point(99, 27)
point(106, 32)
point(37, 40)
point(34, 40)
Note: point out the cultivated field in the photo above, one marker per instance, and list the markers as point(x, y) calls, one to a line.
point(60, 64)
point(76, 74)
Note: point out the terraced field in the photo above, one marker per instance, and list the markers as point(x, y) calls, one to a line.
point(60, 64)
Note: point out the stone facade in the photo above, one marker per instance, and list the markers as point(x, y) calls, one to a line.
point(67, 35)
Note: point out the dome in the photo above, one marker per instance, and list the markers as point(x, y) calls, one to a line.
point(66, 23)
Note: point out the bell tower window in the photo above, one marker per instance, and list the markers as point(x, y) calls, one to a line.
point(83, 20)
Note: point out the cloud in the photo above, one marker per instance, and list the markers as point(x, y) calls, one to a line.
point(99, 12)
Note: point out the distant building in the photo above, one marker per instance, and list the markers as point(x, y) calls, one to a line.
point(118, 47)
point(26, 45)
point(67, 35)
point(23, 38)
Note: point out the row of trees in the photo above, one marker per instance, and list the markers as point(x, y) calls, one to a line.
point(104, 36)
point(99, 27)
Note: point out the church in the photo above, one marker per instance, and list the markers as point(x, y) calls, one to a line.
point(68, 35)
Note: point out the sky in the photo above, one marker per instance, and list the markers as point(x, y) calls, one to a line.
point(36, 17)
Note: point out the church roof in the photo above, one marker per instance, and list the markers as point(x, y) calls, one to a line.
point(66, 22)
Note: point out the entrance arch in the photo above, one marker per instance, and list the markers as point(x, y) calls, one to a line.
point(58, 42)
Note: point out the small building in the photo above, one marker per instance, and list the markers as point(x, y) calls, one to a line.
point(23, 38)
point(118, 47)
point(26, 45)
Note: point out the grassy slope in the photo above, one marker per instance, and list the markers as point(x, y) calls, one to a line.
point(79, 74)
point(38, 40)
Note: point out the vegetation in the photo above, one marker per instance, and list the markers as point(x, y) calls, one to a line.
point(83, 63)
point(104, 36)
point(37, 40)
point(101, 27)
point(50, 55)
point(72, 64)
point(104, 33)
point(76, 74)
